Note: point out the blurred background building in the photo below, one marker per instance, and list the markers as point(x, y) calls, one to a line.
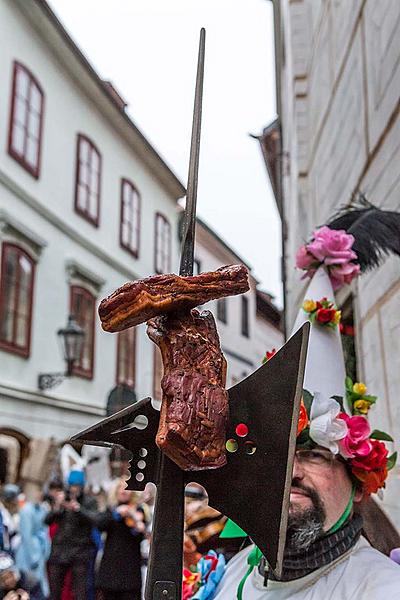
point(86, 204)
point(337, 133)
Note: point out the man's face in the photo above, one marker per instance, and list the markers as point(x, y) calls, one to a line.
point(8, 580)
point(75, 491)
point(320, 492)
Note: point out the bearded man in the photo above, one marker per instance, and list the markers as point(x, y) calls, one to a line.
point(339, 461)
point(326, 557)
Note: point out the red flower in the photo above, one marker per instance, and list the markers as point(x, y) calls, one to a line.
point(376, 459)
point(325, 315)
point(372, 480)
point(303, 418)
point(268, 355)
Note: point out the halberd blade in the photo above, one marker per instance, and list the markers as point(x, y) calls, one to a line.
point(253, 488)
point(133, 428)
point(189, 221)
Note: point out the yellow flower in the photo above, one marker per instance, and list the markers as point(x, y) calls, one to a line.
point(309, 305)
point(337, 317)
point(360, 388)
point(362, 406)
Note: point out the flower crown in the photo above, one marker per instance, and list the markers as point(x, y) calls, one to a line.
point(333, 249)
point(324, 422)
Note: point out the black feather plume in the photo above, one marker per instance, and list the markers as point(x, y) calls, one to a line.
point(376, 231)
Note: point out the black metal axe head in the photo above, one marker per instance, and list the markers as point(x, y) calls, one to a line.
point(253, 488)
point(134, 428)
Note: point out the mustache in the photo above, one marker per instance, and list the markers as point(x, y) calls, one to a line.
point(310, 492)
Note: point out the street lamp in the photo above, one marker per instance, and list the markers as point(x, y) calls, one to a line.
point(71, 338)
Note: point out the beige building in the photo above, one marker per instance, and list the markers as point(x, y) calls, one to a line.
point(338, 132)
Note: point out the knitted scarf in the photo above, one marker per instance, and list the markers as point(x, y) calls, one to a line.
point(298, 563)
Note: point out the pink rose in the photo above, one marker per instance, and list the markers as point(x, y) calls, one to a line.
point(356, 442)
point(332, 246)
point(342, 274)
point(303, 258)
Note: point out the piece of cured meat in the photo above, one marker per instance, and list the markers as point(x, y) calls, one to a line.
point(139, 301)
point(194, 408)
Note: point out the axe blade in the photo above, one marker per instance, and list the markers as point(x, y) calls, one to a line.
point(253, 488)
point(134, 428)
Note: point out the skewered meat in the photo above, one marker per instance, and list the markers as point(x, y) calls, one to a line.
point(138, 301)
point(194, 408)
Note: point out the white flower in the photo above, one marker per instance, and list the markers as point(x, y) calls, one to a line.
point(325, 428)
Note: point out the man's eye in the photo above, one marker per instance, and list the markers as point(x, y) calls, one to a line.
point(316, 456)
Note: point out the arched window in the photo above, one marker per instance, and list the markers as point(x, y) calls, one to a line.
point(82, 307)
point(88, 175)
point(16, 293)
point(26, 119)
point(126, 357)
point(130, 218)
point(162, 250)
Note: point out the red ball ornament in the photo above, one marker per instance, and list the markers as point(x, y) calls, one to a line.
point(242, 430)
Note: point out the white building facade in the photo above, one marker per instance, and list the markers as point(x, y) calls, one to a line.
point(338, 92)
point(86, 204)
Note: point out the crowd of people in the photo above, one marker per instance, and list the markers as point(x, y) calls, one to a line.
point(66, 543)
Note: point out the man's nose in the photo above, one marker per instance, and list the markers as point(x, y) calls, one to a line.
point(298, 469)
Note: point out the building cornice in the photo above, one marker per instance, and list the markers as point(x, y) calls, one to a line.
point(15, 393)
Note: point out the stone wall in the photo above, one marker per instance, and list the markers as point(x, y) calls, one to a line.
point(340, 70)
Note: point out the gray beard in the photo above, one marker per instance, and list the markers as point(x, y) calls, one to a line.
point(304, 529)
point(305, 526)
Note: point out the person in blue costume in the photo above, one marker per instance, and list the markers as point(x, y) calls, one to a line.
point(34, 548)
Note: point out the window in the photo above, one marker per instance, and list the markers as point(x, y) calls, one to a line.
point(88, 173)
point(245, 316)
point(126, 356)
point(162, 245)
point(16, 292)
point(26, 119)
point(83, 308)
point(130, 218)
point(158, 371)
point(222, 310)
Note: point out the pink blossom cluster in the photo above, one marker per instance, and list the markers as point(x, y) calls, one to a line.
point(331, 248)
point(356, 442)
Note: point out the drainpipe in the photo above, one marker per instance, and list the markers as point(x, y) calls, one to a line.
point(278, 67)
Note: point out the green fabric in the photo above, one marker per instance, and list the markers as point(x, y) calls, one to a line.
point(253, 560)
point(345, 514)
point(231, 530)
